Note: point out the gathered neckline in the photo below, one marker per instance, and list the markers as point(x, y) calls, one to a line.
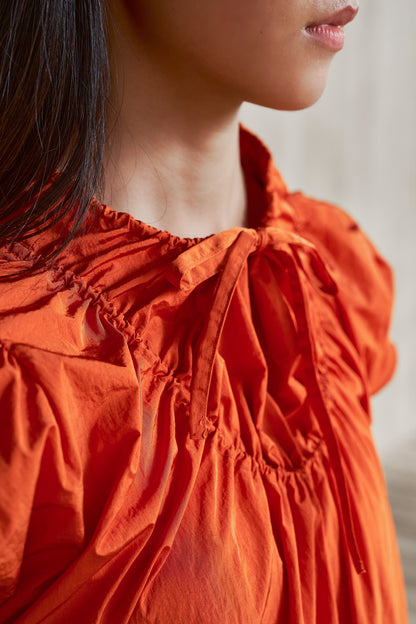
point(262, 181)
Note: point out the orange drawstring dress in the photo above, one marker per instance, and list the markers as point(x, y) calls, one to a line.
point(185, 430)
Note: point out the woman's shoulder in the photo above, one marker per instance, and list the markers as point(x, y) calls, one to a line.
point(364, 279)
point(52, 312)
point(346, 248)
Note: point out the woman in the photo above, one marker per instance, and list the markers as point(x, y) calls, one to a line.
point(185, 420)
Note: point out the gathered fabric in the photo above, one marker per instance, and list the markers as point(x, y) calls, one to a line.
point(185, 430)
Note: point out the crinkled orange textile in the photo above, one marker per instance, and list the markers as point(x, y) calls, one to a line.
point(185, 428)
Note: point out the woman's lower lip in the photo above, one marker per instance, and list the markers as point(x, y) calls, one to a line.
point(331, 37)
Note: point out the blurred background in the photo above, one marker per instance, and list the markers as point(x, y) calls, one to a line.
point(357, 148)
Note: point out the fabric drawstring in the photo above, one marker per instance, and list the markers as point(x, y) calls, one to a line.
point(228, 256)
point(230, 269)
point(339, 482)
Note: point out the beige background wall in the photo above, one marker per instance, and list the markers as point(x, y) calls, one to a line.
point(357, 147)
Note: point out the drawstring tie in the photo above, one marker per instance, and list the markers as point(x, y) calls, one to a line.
point(227, 255)
point(337, 470)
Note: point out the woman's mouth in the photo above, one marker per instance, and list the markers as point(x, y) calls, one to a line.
point(328, 31)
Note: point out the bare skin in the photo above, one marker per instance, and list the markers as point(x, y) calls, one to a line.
point(174, 160)
point(181, 72)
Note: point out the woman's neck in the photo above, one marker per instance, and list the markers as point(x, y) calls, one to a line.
point(173, 156)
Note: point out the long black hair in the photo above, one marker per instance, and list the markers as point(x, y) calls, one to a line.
point(54, 87)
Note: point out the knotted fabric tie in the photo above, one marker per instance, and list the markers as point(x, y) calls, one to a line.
point(227, 255)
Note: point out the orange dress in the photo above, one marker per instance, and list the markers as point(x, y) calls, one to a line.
point(185, 426)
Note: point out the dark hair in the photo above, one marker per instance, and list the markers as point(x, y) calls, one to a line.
point(54, 86)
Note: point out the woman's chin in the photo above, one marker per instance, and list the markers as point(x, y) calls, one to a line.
point(295, 92)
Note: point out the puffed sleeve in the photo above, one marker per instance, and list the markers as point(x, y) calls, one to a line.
point(24, 416)
point(364, 280)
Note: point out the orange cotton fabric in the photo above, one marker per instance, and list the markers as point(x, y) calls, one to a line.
point(185, 427)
